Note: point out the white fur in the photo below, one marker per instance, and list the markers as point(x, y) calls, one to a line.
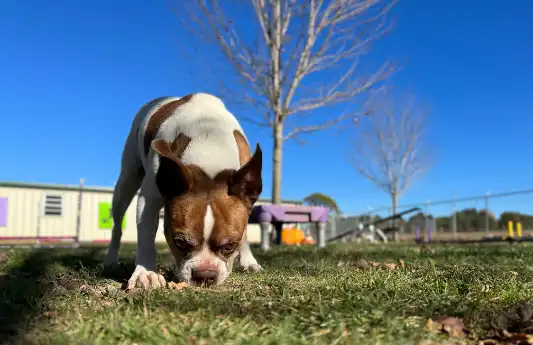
point(213, 148)
point(209, 222)
point(204, 118)
point(247, 259)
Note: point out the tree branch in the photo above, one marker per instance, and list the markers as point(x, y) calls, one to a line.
point(391, 148)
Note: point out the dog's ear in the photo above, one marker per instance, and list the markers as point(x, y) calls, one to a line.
point(173, 178)
point(247, 183)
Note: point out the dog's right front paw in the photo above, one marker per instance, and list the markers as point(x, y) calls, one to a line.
point(142, 278)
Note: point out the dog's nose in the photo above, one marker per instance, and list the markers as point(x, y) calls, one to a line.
point(205, 273)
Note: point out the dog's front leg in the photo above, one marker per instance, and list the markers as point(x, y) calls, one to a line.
point(246, 258)
point(144, 276)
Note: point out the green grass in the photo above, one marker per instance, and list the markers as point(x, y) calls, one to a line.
point(304, 296)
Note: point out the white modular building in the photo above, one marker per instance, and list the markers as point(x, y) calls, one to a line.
point(50, 213)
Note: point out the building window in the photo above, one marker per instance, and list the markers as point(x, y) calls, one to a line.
point(53, 205)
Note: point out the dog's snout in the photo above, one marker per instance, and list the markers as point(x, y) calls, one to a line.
point(205, 273)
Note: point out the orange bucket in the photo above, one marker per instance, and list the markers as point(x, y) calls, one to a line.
point(292, 236)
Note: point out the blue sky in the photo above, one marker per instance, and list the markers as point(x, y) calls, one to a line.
point(73, 74)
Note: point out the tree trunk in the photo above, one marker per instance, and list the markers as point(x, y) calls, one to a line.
point(394, 198)
point(276, 163)
point(275, 55)
point(396, 223)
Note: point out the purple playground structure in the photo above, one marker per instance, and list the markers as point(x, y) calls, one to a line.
point(272, 217)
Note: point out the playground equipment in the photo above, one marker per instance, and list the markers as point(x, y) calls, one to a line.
point(272, 217)
point(510, 238)
point(429, 227)
point(510, 230)
point(370, 231)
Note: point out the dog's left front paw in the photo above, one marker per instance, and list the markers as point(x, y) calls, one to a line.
point(144, 279)
point(250, 265)
point(254, 268)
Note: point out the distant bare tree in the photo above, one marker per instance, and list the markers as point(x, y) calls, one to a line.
point(390, 148)
point(292, 41)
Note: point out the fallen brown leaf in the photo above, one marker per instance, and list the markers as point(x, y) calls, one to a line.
point(507, 338)
point(3, 257)
point(362, 264)
point(449, 325)
point(431, 342)
point(178, 286)
point(321, 332)
point(373, 264)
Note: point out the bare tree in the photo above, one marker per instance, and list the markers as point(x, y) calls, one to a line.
point(390, 148)
point(320, 42)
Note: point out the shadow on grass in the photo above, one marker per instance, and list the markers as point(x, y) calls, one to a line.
point(25, 290)
point(35, 277)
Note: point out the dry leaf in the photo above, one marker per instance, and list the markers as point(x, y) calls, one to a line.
point(178, 286)
point(507, 338)
point(362, 264)
point(3, 257)
point(321, 332)
point(449, 325)
point(373, 264)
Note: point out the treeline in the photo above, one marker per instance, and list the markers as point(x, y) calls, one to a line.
point(471, 219)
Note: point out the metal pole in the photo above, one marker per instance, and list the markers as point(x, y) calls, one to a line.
point(78, 216)
point(487, 228)
point(39, 216)
point(454, 219)
point(426, 220)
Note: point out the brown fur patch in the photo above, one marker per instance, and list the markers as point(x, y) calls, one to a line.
point(179, 145)
point(243, 147)
point(157, 119)
point(186, 214)
point(231, 218)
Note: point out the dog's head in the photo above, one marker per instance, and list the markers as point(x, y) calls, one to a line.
point(206, 218)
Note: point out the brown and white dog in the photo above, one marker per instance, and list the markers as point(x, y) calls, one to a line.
point(190, 156)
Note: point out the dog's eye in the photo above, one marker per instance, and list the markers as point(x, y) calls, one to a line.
point(183, 243)
point(227, 248)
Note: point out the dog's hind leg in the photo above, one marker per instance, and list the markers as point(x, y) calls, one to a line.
point(129, 182)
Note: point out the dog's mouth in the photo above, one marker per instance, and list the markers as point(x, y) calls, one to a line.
point(204, 278)
point(200, 279)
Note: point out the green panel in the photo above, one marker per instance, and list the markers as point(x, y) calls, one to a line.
point(105, 221)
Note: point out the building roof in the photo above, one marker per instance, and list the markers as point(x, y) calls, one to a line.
point(71, 187)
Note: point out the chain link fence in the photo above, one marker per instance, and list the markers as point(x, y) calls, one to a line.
point(470, 217)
